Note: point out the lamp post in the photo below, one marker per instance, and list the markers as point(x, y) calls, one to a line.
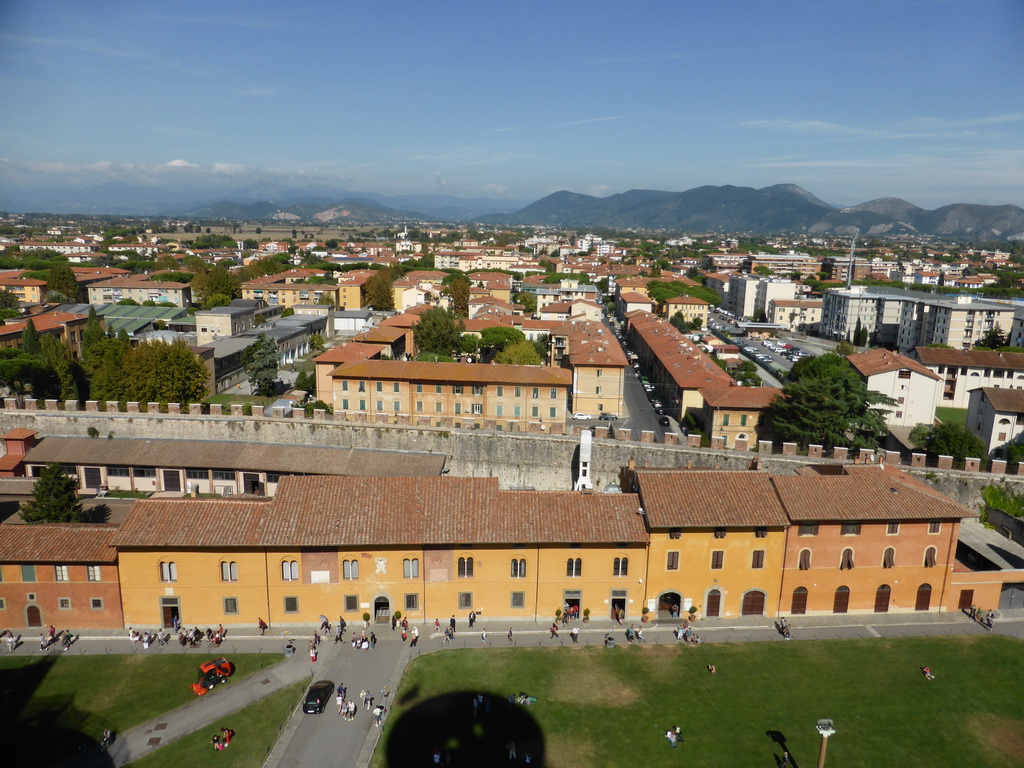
point(826, 729)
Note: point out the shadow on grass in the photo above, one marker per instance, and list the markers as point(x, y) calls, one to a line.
point(473, 736)
point(783, 760)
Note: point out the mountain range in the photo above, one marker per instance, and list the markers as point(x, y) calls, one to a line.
point(726, 209)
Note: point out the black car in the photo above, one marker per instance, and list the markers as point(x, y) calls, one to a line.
point(664, 421)
point(317, 696)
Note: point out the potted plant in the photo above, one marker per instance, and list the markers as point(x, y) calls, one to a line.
point(586, 615)
point(558, 613)
point(644, 611)
point(366, 616)
point(693, 612)
point(398, 615)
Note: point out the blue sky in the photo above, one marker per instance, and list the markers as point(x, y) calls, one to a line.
point(851, 99)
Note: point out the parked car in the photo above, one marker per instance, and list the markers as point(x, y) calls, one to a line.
point(211, 673)
point(607, 417)
point(317, 696)
point(581, 417)
point(664, 421)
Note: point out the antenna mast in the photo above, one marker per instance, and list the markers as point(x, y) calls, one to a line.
point(853, 245)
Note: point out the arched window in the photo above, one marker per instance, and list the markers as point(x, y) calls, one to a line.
point(350, 569)
point(574, 567)
point(929, 557)
point(411, 568)
point(465, 567)
point(799, 605)
point(889, 558)
point(846, 563)
point(289, 570)
point(518, 568)
point(805, 560)
point(168, 571)
point(228, 571)
point(620, 567)
point(841, 601)
point(924, 598)
point(882, 595)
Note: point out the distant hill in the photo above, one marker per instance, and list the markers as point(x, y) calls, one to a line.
point(779, 208)
point(323, 211)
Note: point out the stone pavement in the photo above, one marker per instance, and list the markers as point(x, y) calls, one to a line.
point(304, 742)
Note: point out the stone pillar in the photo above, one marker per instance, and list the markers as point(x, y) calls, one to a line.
point(671, 438)
point(718, 443)
point(865, 456)
point(646, 436)
point(237, 409)
point(71, 405)
point(216, 409)
point(693, 441)
point(11, 403)
point(319, 414)
point(113, 406)
point(789, 449)
point(31, 404)
point(601, 432)
point(153, 408)
point(741, 444)
point(558, 428)
point(92, 406)
point(1020, 468)
point(51, 405)
point(892, 457)
point(765, 447)
point(174, 409)
point(402, 419)
point(422, 421)
point(815, 451)
point(945, 462)
point(133, 408)
point(840, 453)
point(918, 459)
point(998, 467)
point(623, 434)
point(972, 465)
point(195, 409)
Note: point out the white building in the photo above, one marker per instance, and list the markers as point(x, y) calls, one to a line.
point(748, 295)
point(996, 416)
point(915, 389)
point(963, 371)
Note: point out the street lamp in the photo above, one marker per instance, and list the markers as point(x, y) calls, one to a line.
point(826, 729)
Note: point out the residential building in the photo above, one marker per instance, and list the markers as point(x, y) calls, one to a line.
point(597, 362)
point(625, 303)
point(692, 309)
point(139, 289)
point(802, 315)
point(964, 370)
point(749, 296)
point(782, 263)
point(915, 389)
point(28, 290)
point(66, 326)
point(738, 415)
point(997, 417)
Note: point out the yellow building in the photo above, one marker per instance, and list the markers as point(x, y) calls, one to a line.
point(738, 413)
point(689, 307)
point(293, 294)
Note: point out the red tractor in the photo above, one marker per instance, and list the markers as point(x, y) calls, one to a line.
point(211, 673)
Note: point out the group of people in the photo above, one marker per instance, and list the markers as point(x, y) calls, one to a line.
point(674, 736)
point(983, 617)
point(634, 635)
point(192, 639)
point(46, 639)
point(222, 740)
point(684, 634)
point(346, 707)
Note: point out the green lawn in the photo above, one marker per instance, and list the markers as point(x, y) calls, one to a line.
point(953, 415)
point(59, 702)
point(256, 730)
point(611, 707)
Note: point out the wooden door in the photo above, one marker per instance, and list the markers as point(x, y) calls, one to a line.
point(33, 616)
point(966, 599)
point(924, 598)
point(714, 604)
point(882, 595)
point(172, 480)
point(753, 604)
point(799, 606)
point(841, 601)
point(92, 477)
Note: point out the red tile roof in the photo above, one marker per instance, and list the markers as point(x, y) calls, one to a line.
point(739, 397)
point(454, 372)
point(57, 543)
point(1005, 400)
point(975, 358)
point(708, 499)
point(877, 361)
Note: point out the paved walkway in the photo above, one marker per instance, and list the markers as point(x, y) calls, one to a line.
point(385, 666)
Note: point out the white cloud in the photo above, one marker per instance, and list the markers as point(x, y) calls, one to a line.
point(180, 164)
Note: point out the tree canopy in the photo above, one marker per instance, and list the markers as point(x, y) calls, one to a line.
point(948, 439)
point(498, 337)
point(60, 279)
point(54, 498)
point(519, 353)
point(158, 372)
point(378, 291)
point(259, 360)
point(437, 332)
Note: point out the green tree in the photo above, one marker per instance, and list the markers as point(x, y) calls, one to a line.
point(438, 332)
point(860, 335)
point(20, 372)
point(994, 339)
point(216, 287)
point(378, 291)
point(104, 365)
point(845, 348)
point(528, 300)
point(158, 372)
point(458, 292)
point(166, 263)
point(66, 371)
point(746, 374)
point(259, 360)
point(497, 337)
point(306, 381)
point(948, 439)
point(54, 498)
point(30, 344)
point(520, 353)
point(9, 300)
point(469, 344)
point(317, 343)
point(831, 410)
point(60, 279)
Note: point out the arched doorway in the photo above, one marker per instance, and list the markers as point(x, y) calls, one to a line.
point(841, 602)
point(882, 595)
point(924, 598)
point(799, 605)
point(753, 603)
point(382, 610)
point(669, 605)
point(713, 604)
point(33, 616)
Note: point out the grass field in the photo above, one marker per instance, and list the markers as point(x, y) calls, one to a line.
point(256, 730)
point(59, 702)
point(952, 415)
point(611, 707)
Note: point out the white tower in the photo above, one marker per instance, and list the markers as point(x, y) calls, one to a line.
point(583, 482)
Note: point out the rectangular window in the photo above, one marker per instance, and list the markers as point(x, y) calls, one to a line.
point(362, 386)
point(344, 385)
point(519, 391)
point(231, 605)
point(717, 560)
point(96, 603)
point(412, 602)
point(719, 533)
point(500, 391)
point(351, 603)
point(761, 533)
point(456, 389)
point(380, 406)
point(145, 472)
point(551, 412)
point(478, 389)
point(808, 529)
point(197, 474)
point(411, 568)
point(437, 407)
point(229, 571)
point(291, 605)
point(458, 408)
point(28, 573)
point(94, 572)
point(675, 533)
point(743, 420)
point(3, 603)
point(350, 569)
point(60, 573)
point(517, 411)
point(380, 386)
point(437, 389)
point(64, 603)
point(934, 526)
point(397, 405)
point(534, 412)
point(396, 387)
point(892, 529)
point(499, 410)
point(536, 392)
point(518, 600)
point(851, 529)
point(554, 393)
point(672, 561)
point(419, 406)
point(224, 474)
point(725, 420)
point(478, 409)
point(118, 472)
point(757, 560)
point(465, 600)
point(344, 404)
point(419, 389)
point(273, 477)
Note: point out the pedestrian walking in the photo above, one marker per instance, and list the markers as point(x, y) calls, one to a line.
point(262, 626)
point(472, 619)
point(511, 750)
point(554, 629)
point(483, 635)
point(437, 625)
point(340, 699)
point(378, 715)
point(510, 640)
point(574, 634)
point(373, 641)
point(451, 623)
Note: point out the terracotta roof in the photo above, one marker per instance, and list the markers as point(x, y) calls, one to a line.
point(975, 358)
point(346, 353)
point(804, 303)
point(57, 543)
point(634, 298)
point(211, 454)
point(877, 361)
point(689, 300)
point(20, 433)
point(864, 493)
point(454, 372)
point(373, 512)
point(708, 499)
point(739, 397)
point(1005, 400)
